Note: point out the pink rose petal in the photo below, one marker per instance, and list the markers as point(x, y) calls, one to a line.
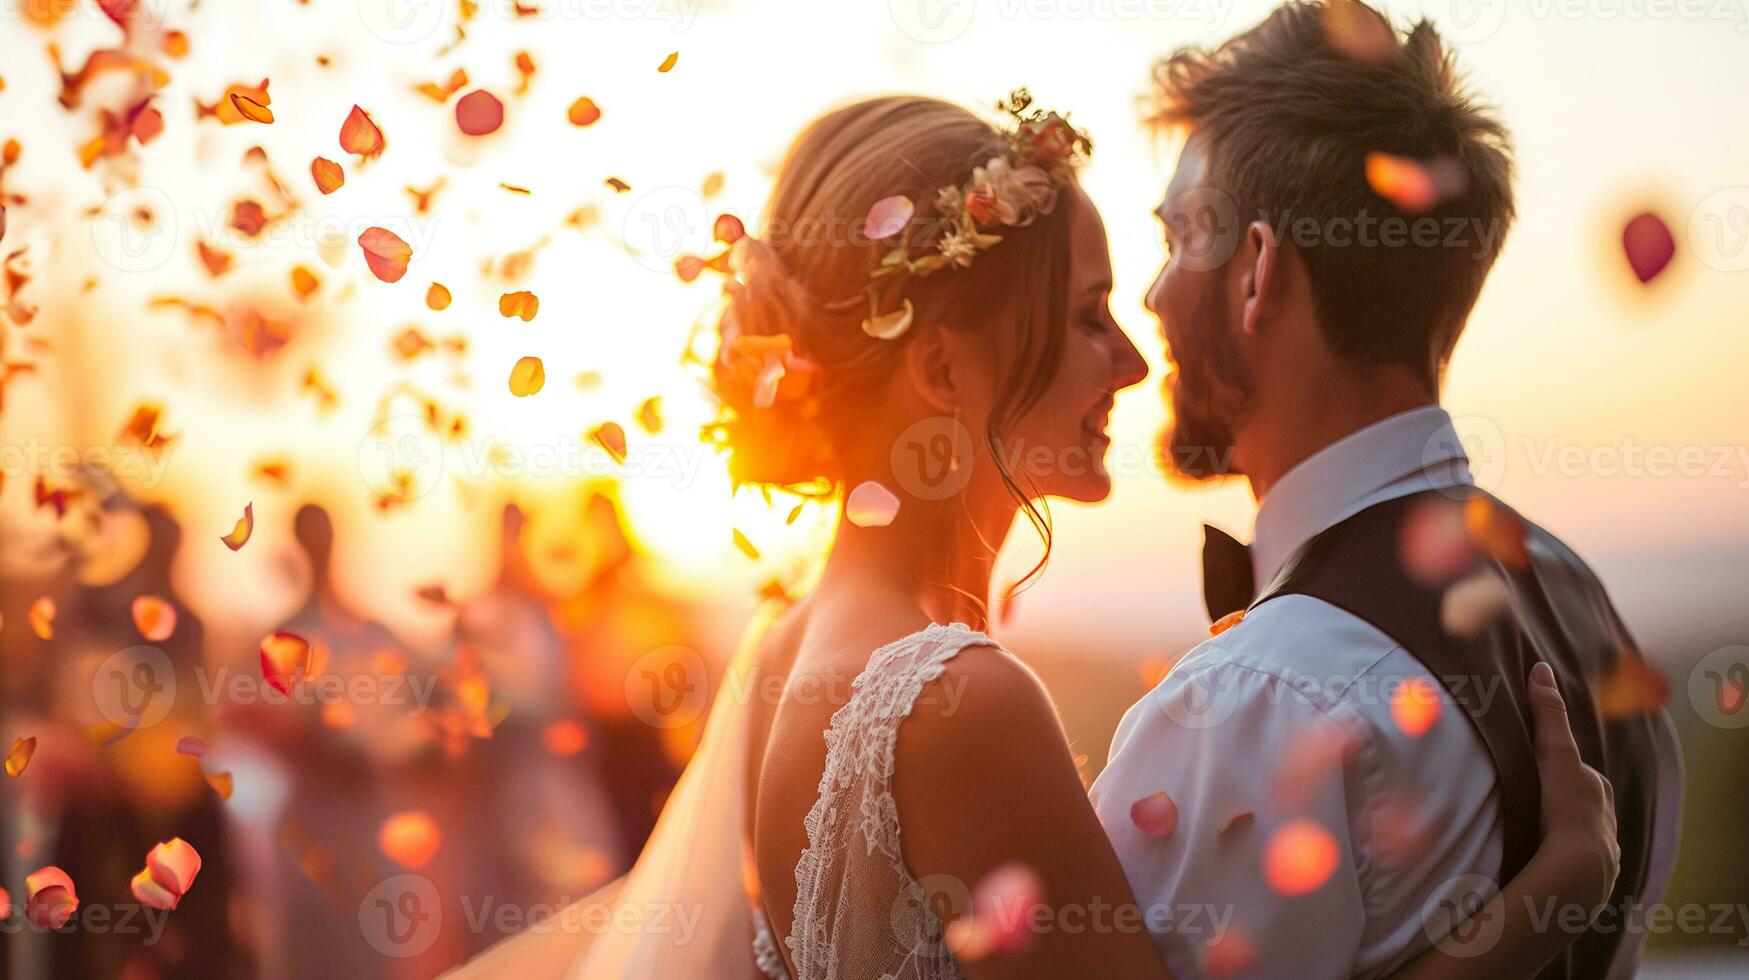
point(385, 253)
point(871, 505)
point(1156, 815)
point(49, 897)
point(888, 217)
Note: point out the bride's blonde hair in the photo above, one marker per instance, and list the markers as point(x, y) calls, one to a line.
point(803, 276)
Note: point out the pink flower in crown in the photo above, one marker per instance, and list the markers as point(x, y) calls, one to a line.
point(1051, 140)
point(1022, 193)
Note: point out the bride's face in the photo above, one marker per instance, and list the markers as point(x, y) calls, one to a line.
point(1061, 440)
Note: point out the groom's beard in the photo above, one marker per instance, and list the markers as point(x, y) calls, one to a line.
point(1211, 394)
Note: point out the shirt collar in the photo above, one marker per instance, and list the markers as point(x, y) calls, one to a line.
point(1409, 452)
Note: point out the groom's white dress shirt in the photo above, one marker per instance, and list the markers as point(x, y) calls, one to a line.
point(1288, 717)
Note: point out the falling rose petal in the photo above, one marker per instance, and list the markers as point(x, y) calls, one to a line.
point(1002, 908)
point(192, 745)
point(5, 905)
point(42, 618)
point(19, 757)
point(565, 738)
point(668, 63)
point(1471, 604)
point(1415, 706)
point(745, 545)
point(151, 894)
point(1435, 546)
point(1237, 822)
point(1414, 186)
point(441, 93)
point(728, 229)
point(284, 658)
point(328, 175)
point(1229, 953)
point(154, 618)
point(888, 217)
point(385, 253)
point(304, 282)
point(1226, 622)
point(871, 505)
point(358, 134)
point(1155, 815)
point(1357, 32)
point(521, 303)
point(410, 838)
point(890, 326)
point(618, 185)
point(1632, 687)
point(437, 297)
point(49, 897)
point(221, 782)
point(239, 535)
point(1496, 531)
point(611, 438)
point(1299, 858)
point(650, 415)
point(174, 864)
point(479, 113)
point(250, 109)
point(1649, 246)
point(583, 112)
point(216, 260)
point(527, 377)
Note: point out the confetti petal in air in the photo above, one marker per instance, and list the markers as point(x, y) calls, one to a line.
point(1001, 912)
point(1226, 622)
point(1496, 531)
point(890, 326)
point(527, 377)
point(871, 505)
point(521, 303)
point(49, 897)
point(328, 175)
point(619, 186)
point(304, 282)
point(437, 297)
point(358, 134)
point(42, 618)
point(19, 757)
point(584, 112)
point(154, 618)
point(1237, 822)
point(728, 229)
point(1471, 604)
point(565, 738)
point(385, 253)
point(221, 782)
point(1632, 687)
point(5, 905)
point(441, 93)
point(611, 437)
point(1299, 858)
point(479, 113)
point(192, 745)
point(171, 867)
point(1649, 246)
point(1436, 547)
point(1358, 32)
point(668, 63)
point(239, 535)
point(1229, 953)
point(745, 545)
point(285, 657)
point(410, 838)
point(888, 217)
point(1414, 186)
point(650, 415)
point(1415, 706)
point(1155, 815)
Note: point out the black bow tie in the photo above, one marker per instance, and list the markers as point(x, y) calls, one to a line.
point(1227, 582)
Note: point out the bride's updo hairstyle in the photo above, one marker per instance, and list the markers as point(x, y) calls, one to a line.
point(803, 284)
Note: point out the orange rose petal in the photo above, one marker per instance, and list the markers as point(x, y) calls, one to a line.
point(284, 658)
point(216, 260)
point(174, 864)
point(1496, 531)
point(521, 303)
point(1632, 687)
point(410, 838)
point(250, 109)
point(42, 618)
point(1226, 622)
point(650, 415)
point(583, 112)
point(1299, 858)
point(358, 134)
point(668, 63)
point(239, 535)
point(437, 297)
point(18, 759)
point(49, 897)
point(385, 253)
point(329, 176)
point(5, 905)
point(527, 377)
point(154, 618)
point(565, 738)
point(611, 438)
point(871, 505)
point(745, 545)
point(1229, 953)
point(479, 113)
point(1155, 815)
point(728, 229)
point(1415, 706)
point(304, 282)
point(151, 894)
point(221, 783)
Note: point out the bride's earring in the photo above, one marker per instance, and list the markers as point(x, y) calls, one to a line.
point(953, 461)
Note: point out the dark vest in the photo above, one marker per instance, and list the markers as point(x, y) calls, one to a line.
point(1557, 611)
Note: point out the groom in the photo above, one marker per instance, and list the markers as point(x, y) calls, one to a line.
point(1349, 758)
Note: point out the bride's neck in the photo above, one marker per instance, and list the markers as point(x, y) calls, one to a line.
point(936, 556)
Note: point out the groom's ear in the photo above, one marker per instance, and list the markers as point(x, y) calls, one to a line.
point(930, 366)
point(1264, 283)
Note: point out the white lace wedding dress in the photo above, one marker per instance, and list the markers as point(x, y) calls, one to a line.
point(859, 913)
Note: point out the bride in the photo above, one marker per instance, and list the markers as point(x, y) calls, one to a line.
point(923, 324)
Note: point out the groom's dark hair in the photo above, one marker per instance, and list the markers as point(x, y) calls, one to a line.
point(1289, 113)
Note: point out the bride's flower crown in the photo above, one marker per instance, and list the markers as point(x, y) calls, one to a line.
point(1011, 190)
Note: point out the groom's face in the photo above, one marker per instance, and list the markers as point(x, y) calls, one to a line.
point(1210, 382)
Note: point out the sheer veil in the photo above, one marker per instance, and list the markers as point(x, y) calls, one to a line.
point(684, 910)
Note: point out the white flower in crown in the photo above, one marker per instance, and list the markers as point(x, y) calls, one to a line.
point(958, 249)
point(1021, 194)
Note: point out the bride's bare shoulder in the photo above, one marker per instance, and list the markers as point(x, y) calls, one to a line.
point(985, 700)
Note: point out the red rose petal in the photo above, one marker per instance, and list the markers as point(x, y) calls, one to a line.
point(385, 253)
point(479, 113)
point(358, 134)
point(1649, 246)
point(1155, 815)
